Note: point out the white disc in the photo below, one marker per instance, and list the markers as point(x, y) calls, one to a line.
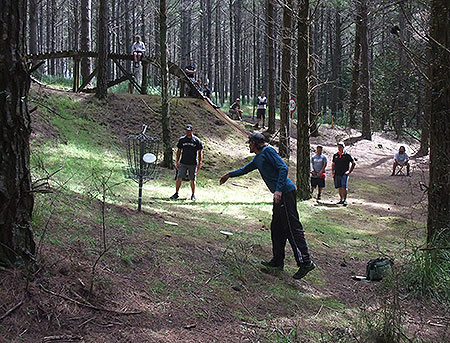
point(149, 158)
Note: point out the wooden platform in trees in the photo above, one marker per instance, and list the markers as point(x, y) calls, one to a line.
point(77, 55)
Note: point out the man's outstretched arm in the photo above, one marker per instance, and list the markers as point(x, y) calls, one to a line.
point(224, 178)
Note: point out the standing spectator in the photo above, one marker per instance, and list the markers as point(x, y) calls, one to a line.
point(318, 165)
point(285, 222)
point(190, 70)
point(401, 159)
point(341, 171)
point(261, 110)
point(138, 49)
point(235, 110)
point(190, 149)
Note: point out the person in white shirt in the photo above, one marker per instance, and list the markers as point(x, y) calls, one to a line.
point(401, 158)
point(261, 110)
point(138, 49)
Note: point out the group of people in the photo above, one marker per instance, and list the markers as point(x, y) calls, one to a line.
point(342, 166)
point(190, 71)
point(285, 225)
point(236, 111)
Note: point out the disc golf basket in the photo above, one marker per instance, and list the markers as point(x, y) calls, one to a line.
point(142, 154)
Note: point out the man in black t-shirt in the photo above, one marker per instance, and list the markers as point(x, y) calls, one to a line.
point(190, 70)
point(341, 170)
point(190, 150)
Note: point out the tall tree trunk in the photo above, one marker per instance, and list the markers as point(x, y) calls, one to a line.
point(128, 36)
point(425, 124)
point(33, 27)
point(76, 25)
point(143, 31)
point(165, 115)
point(41, 28)
point(210, 45)
point(336, 65)
point(103, 46)
point(202, 47)
point(365, 76)
point(16, 199)
point(85, 39)
point(185, 39)
point(284, 145)
point(223, 74)
point(232, 96)
point(217, 54)
point(401, 79)
point(271, 97)
point(303, 171)
point(438, 226)
point(237, 49)
point(313, 97)
point(355, 70)
point(255, 47)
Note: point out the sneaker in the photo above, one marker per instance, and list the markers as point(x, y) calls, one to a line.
point(174, 197)
point(193, 197)
point(344, 203)
point(340, 202)
point(304, 269)
point(272, 265)
point(408, 174)
point(255, 126)
point(319, 196)
point(393, 174)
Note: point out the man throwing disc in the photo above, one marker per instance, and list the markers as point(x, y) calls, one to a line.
point(285, 222)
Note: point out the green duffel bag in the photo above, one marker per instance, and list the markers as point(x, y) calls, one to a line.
point(378, 268)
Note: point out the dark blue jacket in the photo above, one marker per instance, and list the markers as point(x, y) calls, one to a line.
point(272, 168)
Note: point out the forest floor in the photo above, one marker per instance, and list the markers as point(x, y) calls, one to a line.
point(170, 275)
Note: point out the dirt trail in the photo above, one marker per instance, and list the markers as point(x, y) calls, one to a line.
point(393, 195)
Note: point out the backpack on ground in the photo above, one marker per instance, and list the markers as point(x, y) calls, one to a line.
point(378, 268)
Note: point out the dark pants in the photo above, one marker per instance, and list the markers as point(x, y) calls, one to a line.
point(286, 226)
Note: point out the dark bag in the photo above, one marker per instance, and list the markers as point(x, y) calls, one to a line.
point(378, 268)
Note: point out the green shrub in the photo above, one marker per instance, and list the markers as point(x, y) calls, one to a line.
point(427, 273)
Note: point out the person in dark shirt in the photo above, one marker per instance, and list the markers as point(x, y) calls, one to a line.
point(189, 160)
point(199, 85)
point(190, 70)
point(207, 91)
point(285, 221)
point(341, 169)
point(235, 110)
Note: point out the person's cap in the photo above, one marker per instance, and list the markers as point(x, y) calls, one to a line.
point(189, 127)
point(256, 137)
point(341, 144)
point(137, 36)
point(237, 99)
